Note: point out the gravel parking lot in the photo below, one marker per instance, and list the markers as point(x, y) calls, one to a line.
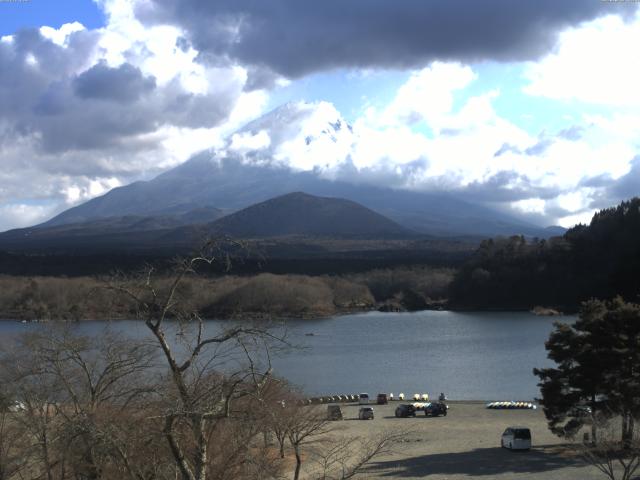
point(466, 443)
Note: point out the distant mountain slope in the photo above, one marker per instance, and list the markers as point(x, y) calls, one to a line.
point(233, 181)
point(117, 232)
point(231, 185)
point(302, 214)
point(294, 214)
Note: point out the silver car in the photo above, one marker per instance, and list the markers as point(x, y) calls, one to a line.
point(516, 438)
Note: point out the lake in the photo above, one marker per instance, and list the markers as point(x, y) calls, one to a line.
point(470, 355)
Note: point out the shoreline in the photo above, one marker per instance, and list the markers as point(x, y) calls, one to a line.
point(255, 316)
point(447, 401)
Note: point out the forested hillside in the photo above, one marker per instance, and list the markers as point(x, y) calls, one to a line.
point(599, 260)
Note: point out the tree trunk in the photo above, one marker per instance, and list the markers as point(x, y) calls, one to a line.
point(627, 430)
point(176, 451)
point(45, 453)
point(92, 470)
point(594, 427)
point(201, 453)
point(296, 474)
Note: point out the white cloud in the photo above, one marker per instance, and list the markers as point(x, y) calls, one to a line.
point(464, 141)
point(573, 201)
point(248, 106)
point(428, 95)
point(23, 215)
point(583, 217)
point(316, 142)
point(61, 35)
point(89, 189)
point(530, 205)
point(154, 49)
point(394, 145)
point(594, 62)
point(246, 141)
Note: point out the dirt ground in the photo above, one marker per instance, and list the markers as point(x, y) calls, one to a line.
point(465, 444)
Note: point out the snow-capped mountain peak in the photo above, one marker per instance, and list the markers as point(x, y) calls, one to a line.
point(300, 135)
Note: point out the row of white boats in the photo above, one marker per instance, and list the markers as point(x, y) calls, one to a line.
point(511, 405)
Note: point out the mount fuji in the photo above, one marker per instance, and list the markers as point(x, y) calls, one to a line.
point(298, 147)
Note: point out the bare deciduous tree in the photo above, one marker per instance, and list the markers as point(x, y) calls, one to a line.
point(348, 457)
point(14, 443)
point(279, 401)
point(307, 427)
point(207, 373)
point(78, 394)
point(615, 458)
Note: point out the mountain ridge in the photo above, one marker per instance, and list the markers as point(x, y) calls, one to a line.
point(231, 179)
point(295, 214)
point(231, 186)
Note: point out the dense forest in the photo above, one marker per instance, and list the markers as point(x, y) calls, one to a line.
point(599, 260)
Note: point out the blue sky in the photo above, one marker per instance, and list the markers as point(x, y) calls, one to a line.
point(527, 107)
point(15, 15)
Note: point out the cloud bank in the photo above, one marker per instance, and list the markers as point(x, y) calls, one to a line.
point(294, 38)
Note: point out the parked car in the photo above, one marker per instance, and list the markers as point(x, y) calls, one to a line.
point(14, 407)
point(334, 412)
point(363, 399)
point(580, 411)
point(382, 399)
point(365, 413)
point(516, 438)
point(435, 409)
point(405, 410)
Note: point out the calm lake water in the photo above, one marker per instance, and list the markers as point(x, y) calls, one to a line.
point(485, 356)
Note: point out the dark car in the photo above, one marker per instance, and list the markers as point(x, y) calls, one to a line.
point(334, 412)
point(435, 409)
point(365, 413)
point(405, 410)
point(382, 399)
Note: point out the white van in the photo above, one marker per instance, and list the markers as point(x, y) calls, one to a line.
point(363, 399)
point(516, 438)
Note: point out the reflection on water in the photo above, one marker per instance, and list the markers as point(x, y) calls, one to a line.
point(466, 355)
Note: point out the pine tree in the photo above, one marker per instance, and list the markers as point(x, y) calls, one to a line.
point(597, 366)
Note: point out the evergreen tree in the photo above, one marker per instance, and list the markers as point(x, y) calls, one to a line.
point(599, 260)
point(597, 366)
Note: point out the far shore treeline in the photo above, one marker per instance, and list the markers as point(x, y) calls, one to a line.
point(600, 260)
point(231, 296)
